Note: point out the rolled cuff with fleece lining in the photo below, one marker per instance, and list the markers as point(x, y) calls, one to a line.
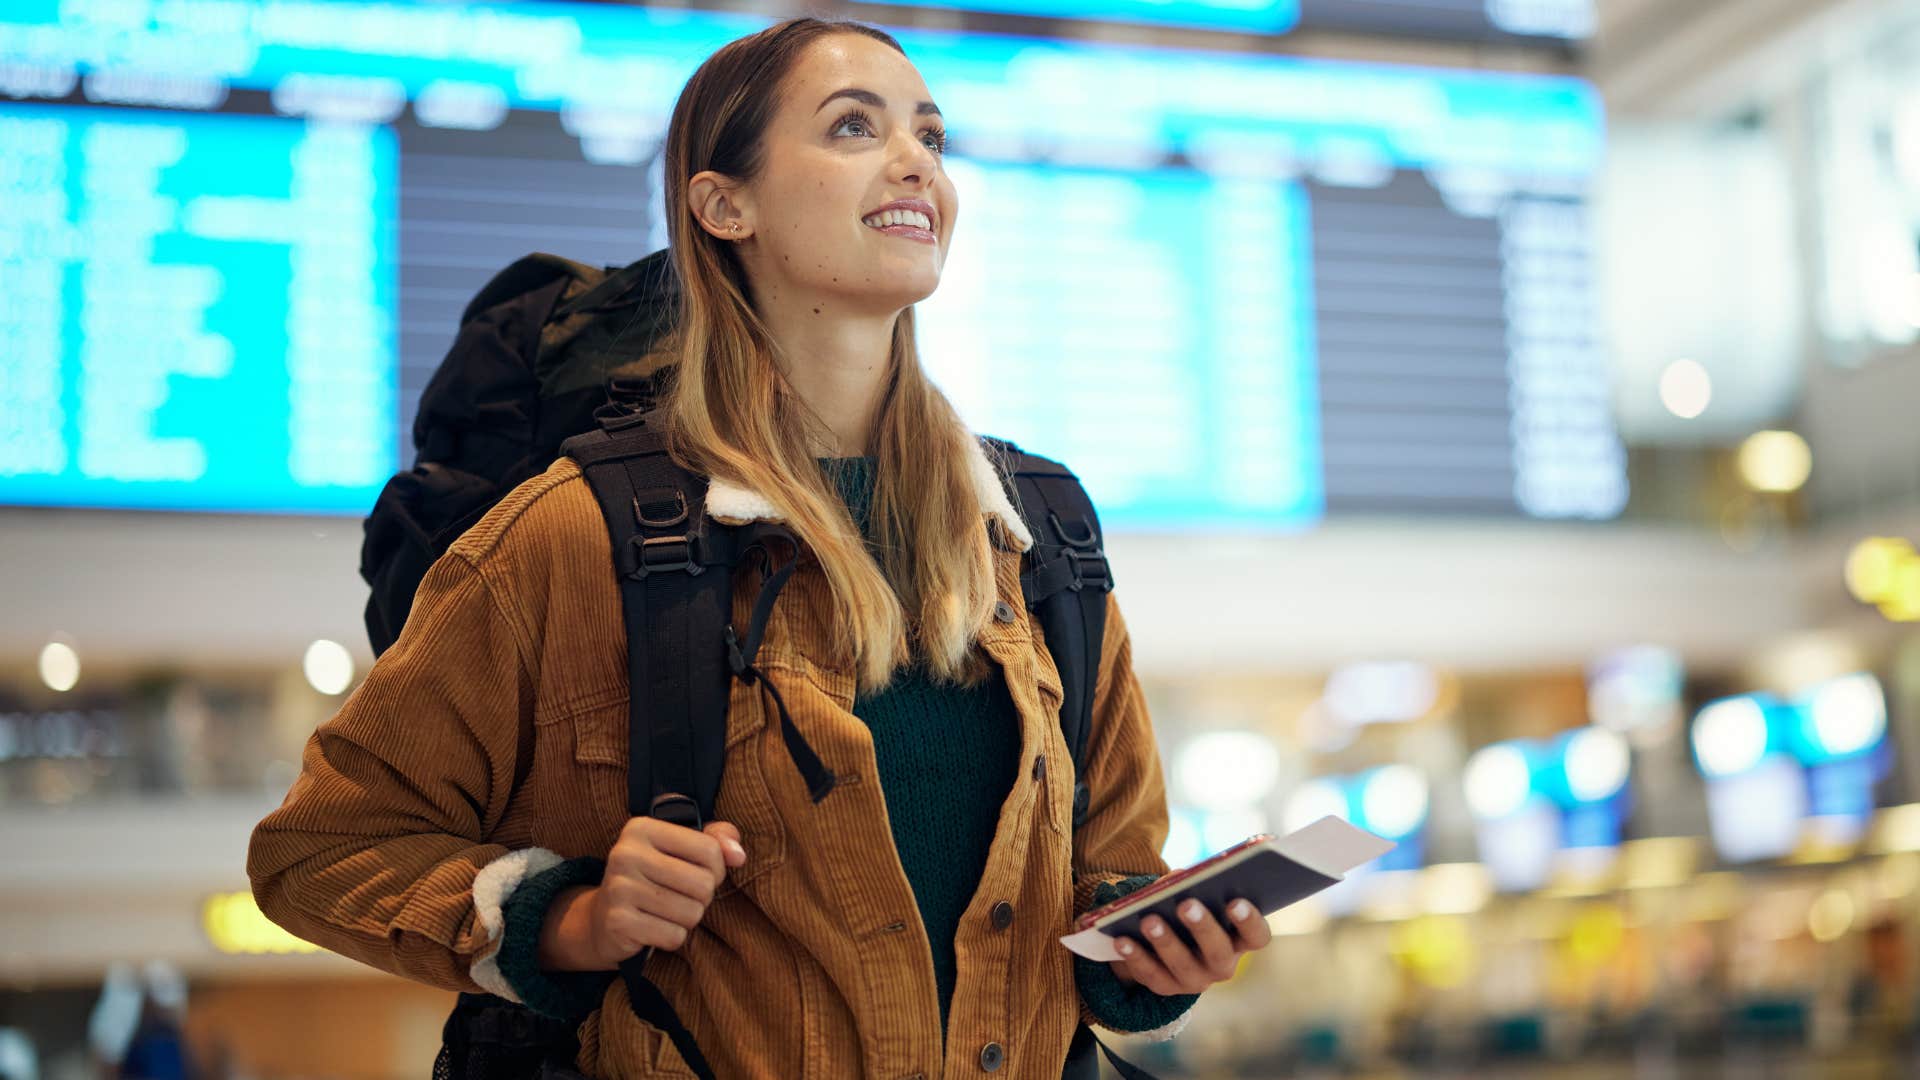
point(495, 882)
point(1117, 1006)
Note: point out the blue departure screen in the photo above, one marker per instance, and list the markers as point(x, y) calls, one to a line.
point(198, 310)
point(1228, 289)
point(1247, 16)
point(1157, 323)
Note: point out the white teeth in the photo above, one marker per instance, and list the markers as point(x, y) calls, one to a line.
point(899, 217)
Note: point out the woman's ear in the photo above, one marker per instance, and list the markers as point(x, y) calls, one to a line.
point(721, 206)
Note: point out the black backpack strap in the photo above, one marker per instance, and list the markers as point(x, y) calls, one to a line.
point(1083, 1059)
point(675, 614)
point(675, 569)
point(1065, 584)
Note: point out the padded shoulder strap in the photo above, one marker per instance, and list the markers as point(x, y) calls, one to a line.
point(675, 576)
point(675, 612)
point(1065, 584)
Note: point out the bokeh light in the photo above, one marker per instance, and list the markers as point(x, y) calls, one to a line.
point(1686, 389)
point(1777, 462)
point(329, 667)
point(1730, 736)
point(59, 666)
point(1498, 781)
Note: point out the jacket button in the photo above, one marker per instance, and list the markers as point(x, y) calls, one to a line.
point(1040, 767)
point(991, 1055)
point(1003, 612)
point(1002, 915)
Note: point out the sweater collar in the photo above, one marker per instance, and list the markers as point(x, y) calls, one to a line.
point(733, 504)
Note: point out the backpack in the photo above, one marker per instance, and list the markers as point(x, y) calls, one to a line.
point(535, 349)
point(550, 359)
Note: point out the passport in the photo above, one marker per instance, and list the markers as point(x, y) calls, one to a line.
point(1267, 871)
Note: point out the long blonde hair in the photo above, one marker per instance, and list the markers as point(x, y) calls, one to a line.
point(732, 414)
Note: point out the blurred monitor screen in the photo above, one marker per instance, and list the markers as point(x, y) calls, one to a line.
point(1229, 290)
point(1461, 19)
point(1455, 19)
point(1759, 813)
point(1254, 16)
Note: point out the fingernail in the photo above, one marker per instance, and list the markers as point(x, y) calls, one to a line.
point(1193, 911)
point(734, 846)
point(1125, 947)
point(1242, 909)
point(1156, 930)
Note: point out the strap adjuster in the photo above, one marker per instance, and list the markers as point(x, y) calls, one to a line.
point(1090, 568)
point(615, 417)
point(676, 808)
point(663, 554)
point(637, 392)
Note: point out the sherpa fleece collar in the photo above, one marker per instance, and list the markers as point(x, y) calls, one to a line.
point(732, 504)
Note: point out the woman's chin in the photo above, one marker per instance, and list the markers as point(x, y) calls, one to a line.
point(901, 291)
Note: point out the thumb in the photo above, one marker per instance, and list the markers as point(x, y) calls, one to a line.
point(729, 837)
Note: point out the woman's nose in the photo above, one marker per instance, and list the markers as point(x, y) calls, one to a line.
point(916, 161)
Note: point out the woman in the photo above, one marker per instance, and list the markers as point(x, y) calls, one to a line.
point(462, 820)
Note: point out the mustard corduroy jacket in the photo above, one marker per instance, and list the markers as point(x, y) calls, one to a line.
point(490, 743)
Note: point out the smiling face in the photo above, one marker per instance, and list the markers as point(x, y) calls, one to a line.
point(852, 202)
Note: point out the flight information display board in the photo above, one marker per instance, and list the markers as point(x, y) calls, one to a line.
point(1247, 16)
point(1550, 20)
point(1165, 336)
point(1515, 20)
point(196, 310)
point(1230, 290)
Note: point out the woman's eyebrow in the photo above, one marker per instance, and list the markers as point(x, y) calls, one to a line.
point(868, 97)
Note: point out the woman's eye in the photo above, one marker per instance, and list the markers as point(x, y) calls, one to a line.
point(858, 124)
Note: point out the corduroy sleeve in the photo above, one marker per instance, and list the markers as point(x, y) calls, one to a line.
point(379, 851)
point(1126, 824)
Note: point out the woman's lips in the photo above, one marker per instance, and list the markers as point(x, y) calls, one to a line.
point(911, 232)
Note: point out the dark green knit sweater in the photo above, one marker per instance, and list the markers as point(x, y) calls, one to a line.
point(947, 758)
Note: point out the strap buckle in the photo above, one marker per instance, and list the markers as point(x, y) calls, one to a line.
point(663, 554)
point(1090, 568)
point(1083, 548)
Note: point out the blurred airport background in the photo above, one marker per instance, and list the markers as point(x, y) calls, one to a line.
point(1506, 414)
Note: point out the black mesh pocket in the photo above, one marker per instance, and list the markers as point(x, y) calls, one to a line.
point(489, 1038)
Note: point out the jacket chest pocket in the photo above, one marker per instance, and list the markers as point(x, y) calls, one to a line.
point(583, 801)
point(1034, 681)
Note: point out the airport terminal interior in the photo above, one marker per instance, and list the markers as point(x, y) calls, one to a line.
point(1503, 415)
